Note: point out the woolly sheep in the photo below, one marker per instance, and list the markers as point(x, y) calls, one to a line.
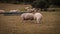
point(27, 16)
point(2, 11)
point(30, 9)
point(14, 10)
point(38, 17)
point(30, 16)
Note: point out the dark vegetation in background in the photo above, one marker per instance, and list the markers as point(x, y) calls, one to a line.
point(54, 2)
point(17, 1)
point(42, 4)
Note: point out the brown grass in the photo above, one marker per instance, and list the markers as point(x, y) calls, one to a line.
point(13, 25)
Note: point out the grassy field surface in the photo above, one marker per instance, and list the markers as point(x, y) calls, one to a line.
point(50, 23)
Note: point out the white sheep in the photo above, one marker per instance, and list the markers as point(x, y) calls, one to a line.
point(2, 11)
point(37, 17)
point(14, 10)
point(30, 9)
point(27, 8)
point(30, 16)
point(27, 16)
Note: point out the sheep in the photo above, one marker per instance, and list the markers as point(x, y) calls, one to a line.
point(2, 11)
point(27, 8)
point(30, 16)
point(30, 9)
point(27, 16)
point(14, 10)
point(37, 17)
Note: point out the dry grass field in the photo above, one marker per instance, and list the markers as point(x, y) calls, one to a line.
point(50, 23)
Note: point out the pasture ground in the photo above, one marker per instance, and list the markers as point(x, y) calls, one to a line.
point(50, 23)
